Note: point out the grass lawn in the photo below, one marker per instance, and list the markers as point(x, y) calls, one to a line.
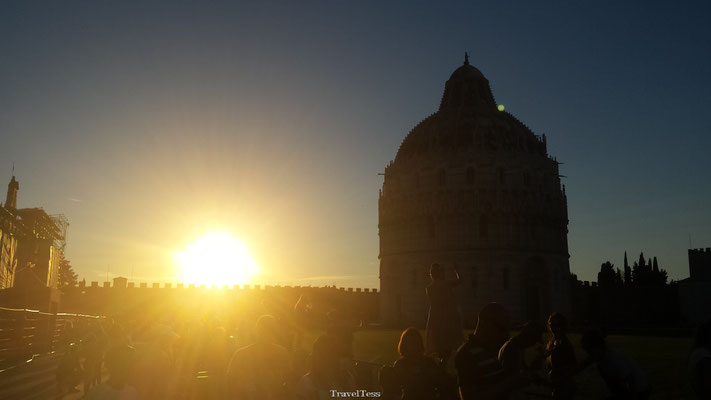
point(664, 360)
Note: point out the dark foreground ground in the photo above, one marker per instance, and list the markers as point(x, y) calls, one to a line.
point(664, 360)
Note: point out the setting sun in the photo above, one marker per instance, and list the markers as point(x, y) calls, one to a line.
point(218, 258)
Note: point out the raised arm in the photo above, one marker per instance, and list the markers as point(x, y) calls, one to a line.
point(457, 280)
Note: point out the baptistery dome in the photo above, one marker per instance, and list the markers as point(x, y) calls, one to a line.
point(473, 188)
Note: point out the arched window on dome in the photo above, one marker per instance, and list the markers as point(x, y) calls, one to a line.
point(505, 278)
point(526, 178)
point(417, 179)
point(500, 173)
point(441, 177)
point(470, 175)
point(483, 226)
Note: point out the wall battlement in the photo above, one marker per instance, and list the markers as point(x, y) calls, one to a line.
point(700, 264)
point(700, 250)
point(179, 286)
point(122, 298)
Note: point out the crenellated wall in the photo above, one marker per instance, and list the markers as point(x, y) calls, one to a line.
point(695, 292)
point(700, 264)
point(170, 300)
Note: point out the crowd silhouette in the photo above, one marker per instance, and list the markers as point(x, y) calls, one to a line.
point(265, 357)
point(444, 323)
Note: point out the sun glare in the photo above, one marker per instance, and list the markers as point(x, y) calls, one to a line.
point(217, 258)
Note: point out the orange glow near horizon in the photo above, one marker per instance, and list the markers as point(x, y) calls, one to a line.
point(217, 258)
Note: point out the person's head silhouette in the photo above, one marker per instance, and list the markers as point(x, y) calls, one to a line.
point(411, 344)
point(558, 324)
point(266, 329)
point(493, 324)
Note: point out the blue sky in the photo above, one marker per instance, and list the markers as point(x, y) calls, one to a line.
point(148, 123)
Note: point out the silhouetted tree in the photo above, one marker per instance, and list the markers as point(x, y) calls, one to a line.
point(660, 275)
point(642, 272)
point(628, 272)
point(618, 277)
point(647, 272)
point(606, 276)
point(67, 276)
point(655, 266)
point(634, 296)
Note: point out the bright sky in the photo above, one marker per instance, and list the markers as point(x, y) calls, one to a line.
point(149, 124)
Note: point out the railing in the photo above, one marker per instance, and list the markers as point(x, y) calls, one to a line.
point(26, 333)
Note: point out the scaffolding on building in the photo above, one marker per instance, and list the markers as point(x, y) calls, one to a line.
point(39, 224)
point(62, 223)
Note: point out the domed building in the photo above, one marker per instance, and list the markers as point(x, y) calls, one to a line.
point(473, 188)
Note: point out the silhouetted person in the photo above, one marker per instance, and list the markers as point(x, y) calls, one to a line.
point(284, 316)
point(119, 361)
point(342, 330)
point(561, 358)
point(479, 373)
point(302, 317)
point(324, 373)
point(414, 376)
point(154, 373)
point(69, 372)
point(623, 377)
point(700, 362)
point(512, 357)
point(92, 351)
point(216, 352)
point(511, 354)
point(67, 334)
point(444, 322)
point(389, 382)
point(260, 370)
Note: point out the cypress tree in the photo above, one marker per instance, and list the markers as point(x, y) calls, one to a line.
point(628, 272)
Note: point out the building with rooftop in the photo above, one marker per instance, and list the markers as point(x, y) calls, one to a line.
point(473, 188)
point(695, 291)
point(31, 242)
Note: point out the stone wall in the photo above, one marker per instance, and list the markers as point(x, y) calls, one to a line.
point(172, 300)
